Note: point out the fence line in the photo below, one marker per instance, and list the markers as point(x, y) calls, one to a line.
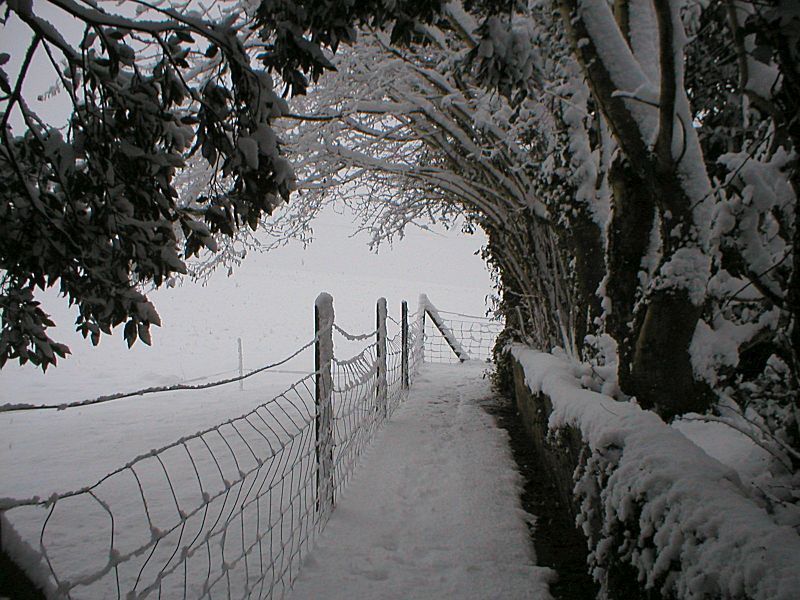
point(451, 340)
point(468, 317)
point(230, 510)
point(161, 389)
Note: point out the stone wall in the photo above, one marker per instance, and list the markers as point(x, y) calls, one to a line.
point(559, 453)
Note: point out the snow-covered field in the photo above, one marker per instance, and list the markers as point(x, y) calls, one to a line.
point(268, 303)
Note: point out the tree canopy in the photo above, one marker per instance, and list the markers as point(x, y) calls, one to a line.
point(639, 190)
point(669, 270)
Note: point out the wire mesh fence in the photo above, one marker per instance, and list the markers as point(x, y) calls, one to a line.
point(230, 511)
point(473, 335)
point(227, 512)
point(360, 406)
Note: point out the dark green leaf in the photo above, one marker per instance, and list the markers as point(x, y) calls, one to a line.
point(184, 36)
point(144, 333)
point(130, 332)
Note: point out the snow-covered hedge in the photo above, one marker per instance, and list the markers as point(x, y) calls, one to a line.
point(651, 498)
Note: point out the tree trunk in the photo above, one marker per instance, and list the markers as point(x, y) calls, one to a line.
point(658, 371)
point(628, 240)
point(661, 372)
point(661, 375)
point(585, 244)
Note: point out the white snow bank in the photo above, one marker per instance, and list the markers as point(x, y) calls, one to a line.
point(653, 498)
point(731, 447)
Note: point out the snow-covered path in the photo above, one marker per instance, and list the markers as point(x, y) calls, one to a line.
point(433, 510)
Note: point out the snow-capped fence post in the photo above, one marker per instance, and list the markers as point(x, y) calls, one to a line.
point(323, 357)
point(404, 343)
point(381, 390)
point(14, 581)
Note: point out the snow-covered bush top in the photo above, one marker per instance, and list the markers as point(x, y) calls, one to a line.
point(651, 497)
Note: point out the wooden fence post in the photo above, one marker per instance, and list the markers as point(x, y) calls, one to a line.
point(14, 581)
point(404, 341)
point(423, 303)
point(446, 332)
point(241, 365)
point(323, 386)
point(382, 391)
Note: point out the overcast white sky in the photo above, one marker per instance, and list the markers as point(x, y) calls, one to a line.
point(268, 300)
point(269, 303)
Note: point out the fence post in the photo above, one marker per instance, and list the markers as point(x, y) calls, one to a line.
point(446, 332)
point(323, 386)
point(14, 581)
point(241, 365)
point(423, 304)
point(404, 341)
point(382, 392)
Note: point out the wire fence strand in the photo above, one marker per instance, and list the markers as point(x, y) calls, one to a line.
point(476, 335)
point(229, 511)
point(160, 389)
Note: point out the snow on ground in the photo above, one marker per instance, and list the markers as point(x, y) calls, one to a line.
point(268, 302)
point(433, 510)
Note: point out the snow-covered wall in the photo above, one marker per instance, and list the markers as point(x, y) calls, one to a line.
point(27, 575)
point(650, 502)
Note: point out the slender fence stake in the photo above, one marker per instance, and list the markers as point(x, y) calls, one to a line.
point(404, 340)
point(423, 303)
point(323, 426)
point(382, 386)
point(241, 366)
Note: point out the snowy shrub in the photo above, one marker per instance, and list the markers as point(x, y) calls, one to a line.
point(659, 514)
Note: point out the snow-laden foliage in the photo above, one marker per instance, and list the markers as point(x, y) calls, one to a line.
point(411, 136)
point(635, 166)
point(633, 185)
